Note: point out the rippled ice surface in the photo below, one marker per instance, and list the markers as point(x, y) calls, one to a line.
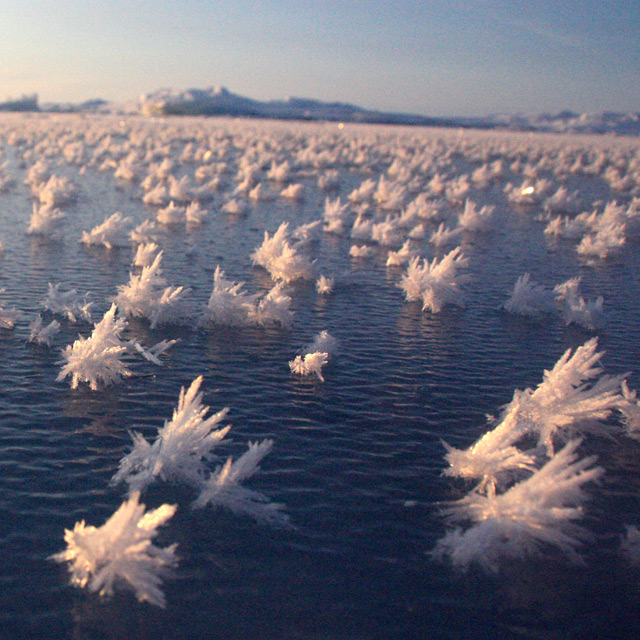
point(357, 459)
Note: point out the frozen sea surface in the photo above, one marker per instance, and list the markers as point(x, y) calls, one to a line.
point(358, 458)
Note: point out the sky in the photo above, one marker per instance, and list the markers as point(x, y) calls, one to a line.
point(426, 57)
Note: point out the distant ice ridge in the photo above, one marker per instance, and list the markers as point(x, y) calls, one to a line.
point(530, 497)
point(121, 553)
point(100, 358)
point(181, 451)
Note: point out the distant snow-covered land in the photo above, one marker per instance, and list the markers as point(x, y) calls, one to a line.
point(215, 101)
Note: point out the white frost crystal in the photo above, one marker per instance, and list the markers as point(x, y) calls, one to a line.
point(533, 514)
point(121, 552)
point(97, 358)
point(183, 443)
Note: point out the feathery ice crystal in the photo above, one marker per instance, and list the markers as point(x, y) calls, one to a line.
point(529, 298)
point(273, 308)
point(148, 296)
point(181, 447)
point(113, 232)
point(315, 355)
point(577, 310)
point(222, 488)
point(180, 452)
point(39, 334)
point(532, 515)
point(145, 254)
point(68, 304)
point(97, 358)
point(566, 401)
point(324, 285)
point(281, 259)
point(228, 303)
point(493, 459)
point(121, 552)
point(46, 220)
point(436, 283)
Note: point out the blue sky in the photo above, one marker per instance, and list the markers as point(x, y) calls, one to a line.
point(417, 56)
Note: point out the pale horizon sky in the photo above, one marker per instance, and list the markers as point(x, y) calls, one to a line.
point(425, 57)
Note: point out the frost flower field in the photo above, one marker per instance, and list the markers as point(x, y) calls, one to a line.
point(426, 341)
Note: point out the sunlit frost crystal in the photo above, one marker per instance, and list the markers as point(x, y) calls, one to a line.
point(121, 552)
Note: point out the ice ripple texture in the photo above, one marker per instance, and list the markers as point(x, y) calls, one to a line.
point(357, 459)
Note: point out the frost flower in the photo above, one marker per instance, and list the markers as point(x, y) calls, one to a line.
point(68, 304)
point(148, 296)
point(121, 552)
point(437, 283)
point(181, 447)
point(97, 358)
point(223, 488)
point(113, 232)
point(39, 334)
point(534, 514)
point(529, 298)
point(315, 355)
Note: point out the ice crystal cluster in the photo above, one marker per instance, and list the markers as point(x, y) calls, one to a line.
point(69, 305)
point(528, 496)
point(147, 295)
point(121, 552)
point(113, 232)
point(230, 305)
point(531, 299)
point(283, 260)
point(315, 356)
point(100, 359)
point(42, 334)
point(435, 283)
point(182, 452)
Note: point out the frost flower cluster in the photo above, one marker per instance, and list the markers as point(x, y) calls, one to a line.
point(113, 232)
point(314, 356)
point(181, 452)
point(230, 305)
point(437, 283)
point(281, 259)
point(100, 358)
point(528, 496)
point(148, 296)
point(67, 304)
point(121, 552)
